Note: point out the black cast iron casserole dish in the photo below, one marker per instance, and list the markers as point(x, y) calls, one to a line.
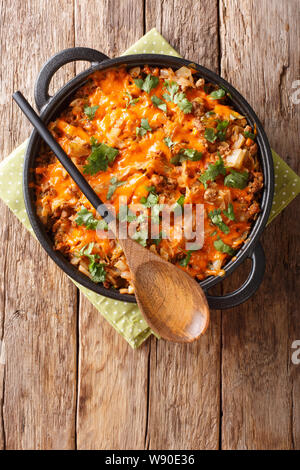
point(50, 107)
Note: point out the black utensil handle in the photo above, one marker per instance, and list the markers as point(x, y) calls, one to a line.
point(249, 287)
point(41, 91)
point(62, 156)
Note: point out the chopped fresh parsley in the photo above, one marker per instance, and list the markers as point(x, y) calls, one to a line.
point(151, 189)
point(191, 154)
point(102, 225)
point(186, 154)
point(249, 135)
point(220, 133)
point(149, 201)
point(213, 170)
point(131, 101)
point(210, 134)
point(185, 261)
point(180, 200)
point(172, 88)
point(139, 82)
point(125, 215)
point(236, 179)
point(86, 218)
point(175, 159)
point(178, 205)
point(229, 213)
point(159, 103)
point(148, 84)
point(114, 184)
point(178, 98)
point(214, 233)
point(101, 156)
point(168, 142)
point(223, 248)
point(217, 94)
point(90, 111)
point(141, 237)
point(144, 128)
point(221, 129)
point(96, 270)
point(216, 218)
point(183, 103)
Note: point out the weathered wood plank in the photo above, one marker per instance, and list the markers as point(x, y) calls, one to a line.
point(184, 398)
point(260, 56)
point(112, 397)
point(37, 301)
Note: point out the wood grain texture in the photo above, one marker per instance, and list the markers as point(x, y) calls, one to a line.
point(191, 27)
point(184, 381)
point(112, 396)
point(162, 396)
point(261, 392)
point(37, 301)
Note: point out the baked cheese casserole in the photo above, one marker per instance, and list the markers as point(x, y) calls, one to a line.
point(156, 136)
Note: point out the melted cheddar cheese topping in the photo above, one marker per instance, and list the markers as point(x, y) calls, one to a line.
point(166, 134)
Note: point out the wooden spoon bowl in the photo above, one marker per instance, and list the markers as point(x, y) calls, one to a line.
point(171, 301)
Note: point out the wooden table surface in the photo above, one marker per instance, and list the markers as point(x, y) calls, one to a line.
point(67, 379)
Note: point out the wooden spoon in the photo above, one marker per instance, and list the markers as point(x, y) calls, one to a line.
point(172, 302)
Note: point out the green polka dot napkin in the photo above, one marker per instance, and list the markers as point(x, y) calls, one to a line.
point(125, 317)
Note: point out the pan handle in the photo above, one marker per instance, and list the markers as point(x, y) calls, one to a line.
point(247, 289)
point(41, 91)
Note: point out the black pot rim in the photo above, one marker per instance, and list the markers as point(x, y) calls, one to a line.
point(239, 102)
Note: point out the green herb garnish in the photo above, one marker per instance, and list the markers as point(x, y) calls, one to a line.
point(210, 134)
point(101, 156)
point(131, 101)
point(90, 111)
point(249, 135)
point(149, 201)
point(183, 103)
point(229, 213)
point(172, 89)
point(185, 261)
point(186, 154)
point(159, 103)
point(180, 200)
point(114, 184)
point(216, 218)
point(168, 142)
point(221, 129)
point(145, 127)
point(177, 97)
point(97, 270)
point(190, 154)
point(179, 205)
point(86, 218)
point(141, 237)
point(139, 82)
point(223, 248)
point(151, 189)
point(213, 170)
point(148, 84)
point(236, 179)
point(217, 94)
